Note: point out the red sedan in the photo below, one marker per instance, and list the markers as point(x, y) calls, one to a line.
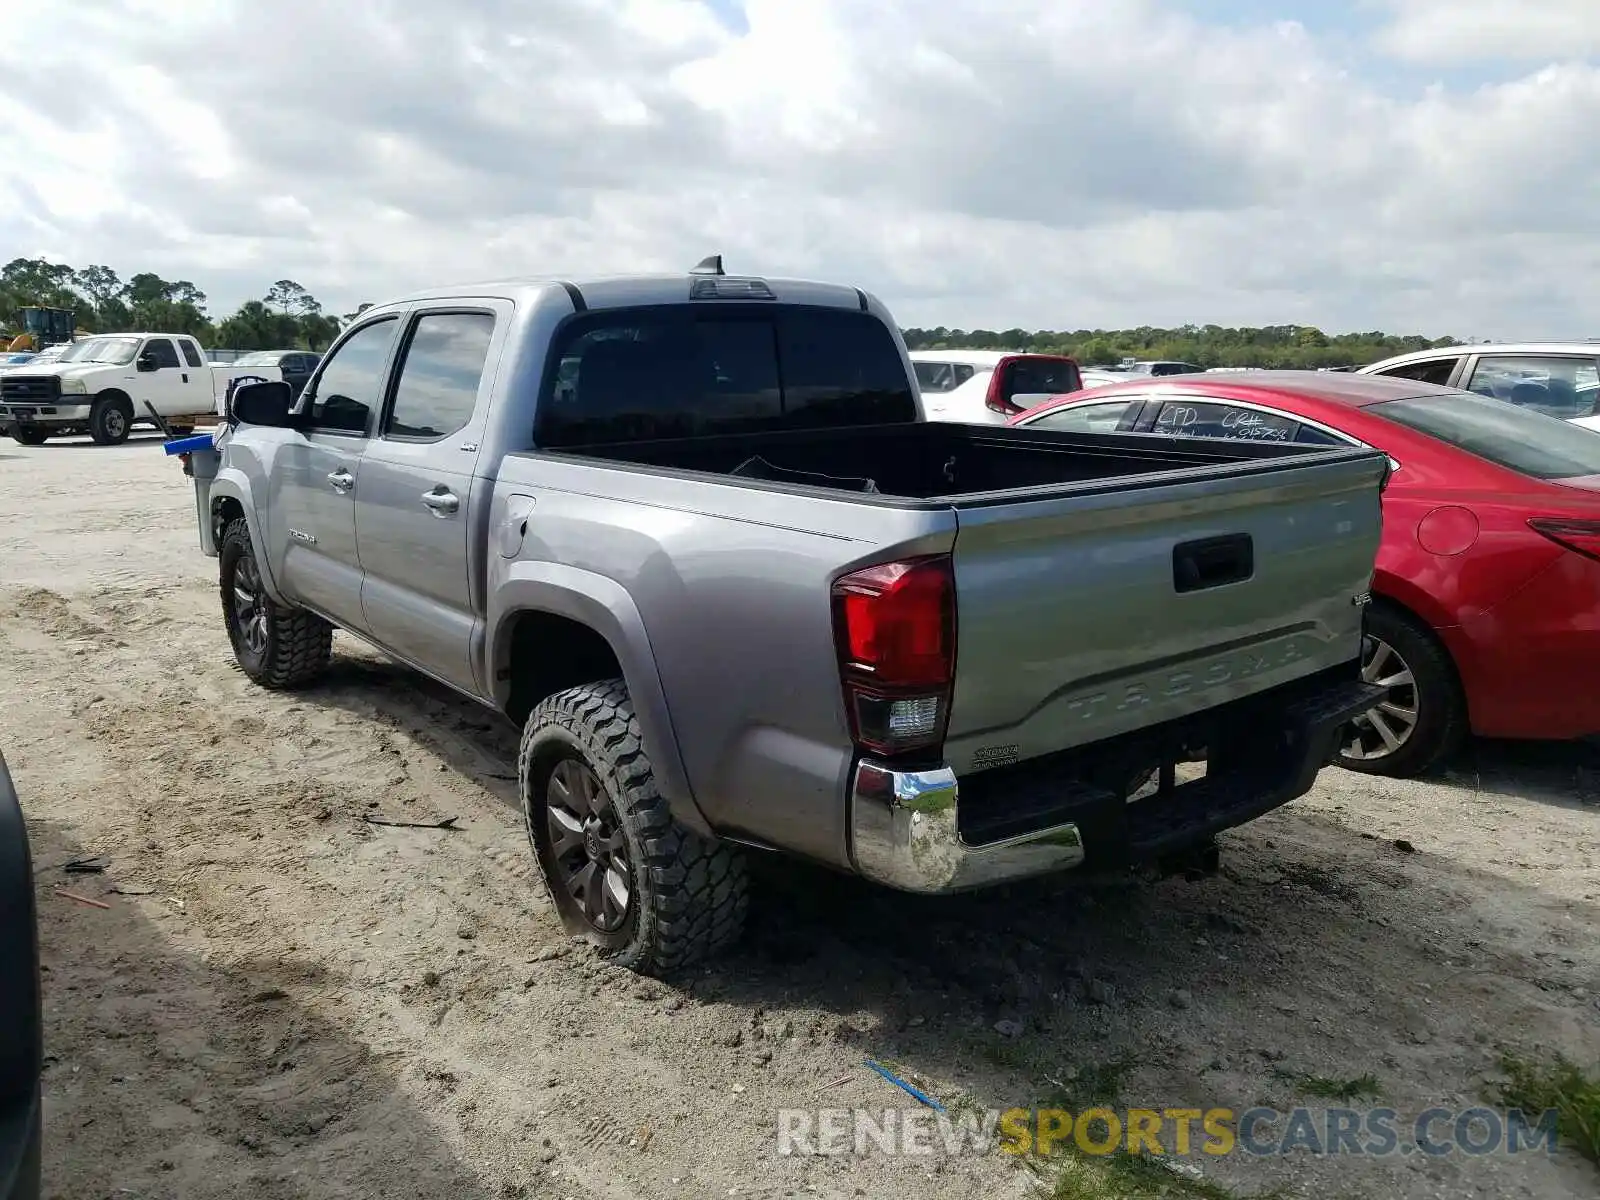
point(1486, 597)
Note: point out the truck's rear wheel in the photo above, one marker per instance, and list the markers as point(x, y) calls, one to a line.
point(111, 419)
point(621, 872)
point(277, 646)
point(30, 435)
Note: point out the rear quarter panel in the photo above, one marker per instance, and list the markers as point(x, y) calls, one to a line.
point(731, 589)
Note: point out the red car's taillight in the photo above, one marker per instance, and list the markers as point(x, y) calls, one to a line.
point(994, 402)
point(1581, 537)
point(895, 629)
point(992, 399)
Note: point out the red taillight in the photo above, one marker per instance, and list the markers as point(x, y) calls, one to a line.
point(1581, 537)
point(895, 629)
point(992, 399)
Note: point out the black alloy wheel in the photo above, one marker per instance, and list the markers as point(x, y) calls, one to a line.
point(587, 845)
point(249, 605)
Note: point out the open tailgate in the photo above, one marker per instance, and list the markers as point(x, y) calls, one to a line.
point(1129, 602)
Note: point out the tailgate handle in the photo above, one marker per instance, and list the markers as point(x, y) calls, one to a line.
point(1212, 562)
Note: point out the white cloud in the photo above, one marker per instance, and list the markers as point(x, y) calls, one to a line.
point(1016, 162)
point(1453, 31)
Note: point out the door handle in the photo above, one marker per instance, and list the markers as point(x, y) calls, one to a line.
point(342, 480)
point(442, 501)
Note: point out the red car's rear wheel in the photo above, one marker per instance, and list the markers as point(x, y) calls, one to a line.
point(1422, 718)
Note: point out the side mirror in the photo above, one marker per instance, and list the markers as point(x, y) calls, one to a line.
point(263, 404)
point(146, 362)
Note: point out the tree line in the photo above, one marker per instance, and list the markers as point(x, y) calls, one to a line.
point(1298, 347)
point(289, 317)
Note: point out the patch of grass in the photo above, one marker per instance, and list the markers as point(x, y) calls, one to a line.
point(1117, 1176)
point(1363, 1087)
point(1091, 1084)
point(1125, 1176)
point(1535, 1087)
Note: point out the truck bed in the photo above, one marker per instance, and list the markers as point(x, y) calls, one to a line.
point(949, 463)
point(1104, 583)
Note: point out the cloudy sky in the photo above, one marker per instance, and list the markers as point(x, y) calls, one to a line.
point(1412, 165)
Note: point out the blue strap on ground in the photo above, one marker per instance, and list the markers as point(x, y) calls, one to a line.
point(903, 1085)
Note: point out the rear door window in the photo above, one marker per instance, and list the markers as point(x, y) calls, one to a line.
point(1556, 386)
point(190, 354)
point(1433, 370)
point(436, 392)
point(645, 374)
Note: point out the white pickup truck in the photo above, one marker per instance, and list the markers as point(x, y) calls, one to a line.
point(104, 385)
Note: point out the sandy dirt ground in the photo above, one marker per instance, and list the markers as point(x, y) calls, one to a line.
point(283, 1000)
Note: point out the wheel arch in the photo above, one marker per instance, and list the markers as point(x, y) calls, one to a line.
point(553, 627)
point(1403, 594)
point(230, 500)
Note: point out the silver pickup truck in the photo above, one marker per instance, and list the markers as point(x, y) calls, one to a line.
point(694, 535)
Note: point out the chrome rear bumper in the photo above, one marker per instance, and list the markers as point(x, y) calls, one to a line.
point(904, 835)
point(1038, 817)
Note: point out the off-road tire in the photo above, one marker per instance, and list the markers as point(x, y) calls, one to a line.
point(299, 644)
point(1442, 721)
point(689, 893)
point(30, 435)
point(104, 426)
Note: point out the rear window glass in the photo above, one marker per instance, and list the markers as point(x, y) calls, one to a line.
point(1033, 376)
point(1518, 439)
point(642, 374)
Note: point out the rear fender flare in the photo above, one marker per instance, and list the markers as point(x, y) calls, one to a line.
point(606, 607)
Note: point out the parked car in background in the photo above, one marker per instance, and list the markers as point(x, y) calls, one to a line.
point(49, 354)
point(294, 366)
point(22, 1046)
point(102, 385)
point(984, 387)
point(694, 535)
point(1487, 591)
point(1559, 379)
point(1157, 367)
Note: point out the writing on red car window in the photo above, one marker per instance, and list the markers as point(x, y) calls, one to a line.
point(1223, 421)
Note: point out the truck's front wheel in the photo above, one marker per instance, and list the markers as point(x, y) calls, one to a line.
point(277, 646)
point(30, 435)
point(621, 872)
point(111, 419)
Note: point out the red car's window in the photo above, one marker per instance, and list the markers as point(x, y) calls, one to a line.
point(1518, 439)
point(1104, 417)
